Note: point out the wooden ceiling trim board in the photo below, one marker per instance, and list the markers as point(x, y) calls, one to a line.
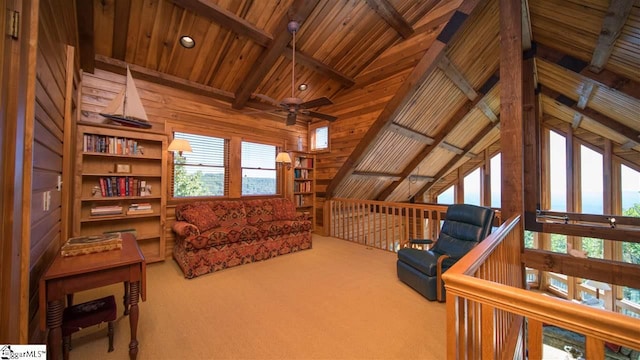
point(410, 133)
point(457, 78)
point(121, 28)
point(226, 19)
point(392, 17)
point(577, 119)
point(84, 9)
point(615, 18)
point(450, 124)
point(487, 111)
point(585, 94)
point(630, 133)
point(449, 167)
point(319, 67)
point(420, 177)
point(404, 94)
point(300, 10)
point(526, 26)
point(369, 175)
point(608, 78)
point(451, 148)
point(629, 145)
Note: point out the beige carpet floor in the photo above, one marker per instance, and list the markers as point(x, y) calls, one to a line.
point(338, 300)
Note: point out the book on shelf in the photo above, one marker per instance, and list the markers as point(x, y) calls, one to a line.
point(109, 145)
point(114, 186)
point(106, 210)
point(91, 244)
point(140, 208)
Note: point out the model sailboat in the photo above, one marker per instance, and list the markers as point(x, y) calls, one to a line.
point(126, 108)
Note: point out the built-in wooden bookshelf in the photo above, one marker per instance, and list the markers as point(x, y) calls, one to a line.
point(120, 185)
point(304, 184)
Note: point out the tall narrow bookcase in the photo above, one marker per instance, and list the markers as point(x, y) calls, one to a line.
point(120, 185)
point(304, 185)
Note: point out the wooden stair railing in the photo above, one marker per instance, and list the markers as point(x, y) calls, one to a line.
point(490, 315)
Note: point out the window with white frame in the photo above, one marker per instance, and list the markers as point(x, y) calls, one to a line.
point(447, 196)
point(203, 172)
point(319, 137)
point(258, 169)
point(472, 189)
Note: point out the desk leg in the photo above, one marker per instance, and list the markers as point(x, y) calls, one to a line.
point(134, 295)
point(126, 298)
point(54, 321)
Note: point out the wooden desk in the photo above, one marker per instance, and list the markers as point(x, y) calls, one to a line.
point(68, 275)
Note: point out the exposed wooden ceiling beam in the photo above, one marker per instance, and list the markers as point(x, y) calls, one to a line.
point(465, 152)
point(449, 126)
point(227, 19)
point(120, 28)
point(382, 176)
point(410, 133)
point(403, 95)
point(84, 11)
point(608, 78)
point(415, 177)
point(449, 147)
point(320, 67)
point(622, 129)
point(119, 67)
point(614, 19)
point(577, 119)
point(392, 17)
point(300, 10)
point(457, 78)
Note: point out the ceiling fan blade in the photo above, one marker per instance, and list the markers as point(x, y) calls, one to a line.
point(316, 103)
point(321, 116)
point(291, 118)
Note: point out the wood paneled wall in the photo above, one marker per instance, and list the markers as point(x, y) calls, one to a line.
point(170, 109)
point(55, 31)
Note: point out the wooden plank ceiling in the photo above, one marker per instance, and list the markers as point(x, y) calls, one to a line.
point(413, 83)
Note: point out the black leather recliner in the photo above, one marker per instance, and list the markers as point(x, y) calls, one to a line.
point(463, 228)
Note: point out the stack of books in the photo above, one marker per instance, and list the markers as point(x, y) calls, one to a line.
point(106, 210)
point(91, 244)
point(140, 208)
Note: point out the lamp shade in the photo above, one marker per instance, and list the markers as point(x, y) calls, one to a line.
point(180, 145)
point(283, 158)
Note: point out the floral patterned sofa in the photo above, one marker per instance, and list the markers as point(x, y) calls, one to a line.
point(214, 235)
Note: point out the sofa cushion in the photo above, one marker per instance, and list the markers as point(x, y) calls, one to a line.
point(221, 236)
point(230, 213)
point(284, 227)
point(258, 211)
point(283, 209)
point(201, 216)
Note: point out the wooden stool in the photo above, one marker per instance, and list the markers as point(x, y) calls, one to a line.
point(87, 314)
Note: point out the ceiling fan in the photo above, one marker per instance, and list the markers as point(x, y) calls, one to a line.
point(294, 105)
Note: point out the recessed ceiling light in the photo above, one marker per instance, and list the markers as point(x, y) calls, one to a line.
point(187, 41)
point(302, 87)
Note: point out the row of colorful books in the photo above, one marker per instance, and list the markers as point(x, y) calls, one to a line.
point(110, 145)
point(304, 162)
point(304, 186)
point(122, 186)
point(301, 173)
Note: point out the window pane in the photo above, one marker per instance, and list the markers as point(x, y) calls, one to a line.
point(496, 181)
point(320, 139)
point(207, 150)
point(197, 181)
point(591, 178)
point(446, 197)
point(630, 191)
point(258, 169)
point(593, 247)
point(201, 172)
point(558, 171)
point(472, 188)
